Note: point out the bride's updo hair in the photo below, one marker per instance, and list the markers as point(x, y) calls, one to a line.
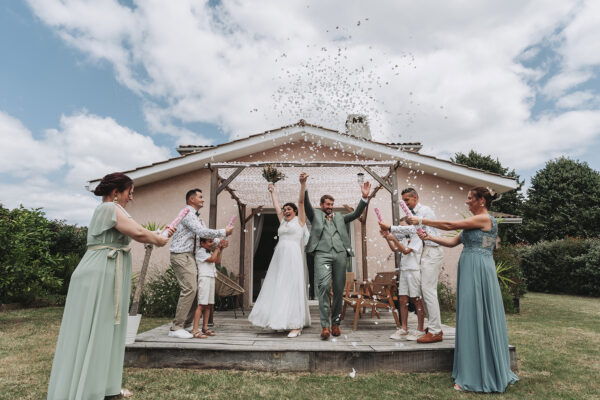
point(488, 195)
point(294, 207)
point(110, 182)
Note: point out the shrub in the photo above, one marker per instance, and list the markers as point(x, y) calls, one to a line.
point(507, 300)
point(446, 297)
point(511, 276)
point(160, 295)
point(27, 266)
point(570, 266)
point(69, 242)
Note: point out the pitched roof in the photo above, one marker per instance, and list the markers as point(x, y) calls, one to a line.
point(369, 149)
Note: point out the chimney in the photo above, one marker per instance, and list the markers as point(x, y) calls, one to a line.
point(357, 125)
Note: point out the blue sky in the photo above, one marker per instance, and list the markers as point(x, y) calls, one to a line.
point(90, 87)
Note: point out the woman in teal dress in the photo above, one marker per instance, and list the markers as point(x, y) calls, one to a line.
point(481, 356)
point(88, 362)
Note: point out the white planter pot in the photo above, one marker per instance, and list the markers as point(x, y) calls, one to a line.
point(133, 323)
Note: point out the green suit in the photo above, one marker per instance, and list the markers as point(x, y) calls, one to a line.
point(329, 243)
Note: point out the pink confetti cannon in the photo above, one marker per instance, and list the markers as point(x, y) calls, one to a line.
point(175, 222)
point(231, 221)
point(405, 208)
point(409, 213)
point(379, 216)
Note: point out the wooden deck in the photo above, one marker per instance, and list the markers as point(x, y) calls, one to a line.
point(239, 345)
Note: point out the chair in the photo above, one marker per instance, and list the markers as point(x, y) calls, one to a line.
point(350, 293)
point(380, 293)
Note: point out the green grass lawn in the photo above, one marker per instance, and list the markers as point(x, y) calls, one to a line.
point(557, 339)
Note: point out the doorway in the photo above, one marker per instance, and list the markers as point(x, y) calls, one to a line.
point(265, 231)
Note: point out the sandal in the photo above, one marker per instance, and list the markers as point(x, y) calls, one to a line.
point(208, 332)
point(458, 388)
point(199, 335)
point(125, 393)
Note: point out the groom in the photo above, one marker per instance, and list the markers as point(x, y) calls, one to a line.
point(329, 243)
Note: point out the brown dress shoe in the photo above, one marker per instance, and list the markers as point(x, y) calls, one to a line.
point(431, 338)
point(325, 333)
point(335, 330)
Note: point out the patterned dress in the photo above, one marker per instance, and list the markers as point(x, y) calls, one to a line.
point(481, 356)
point(88, 362)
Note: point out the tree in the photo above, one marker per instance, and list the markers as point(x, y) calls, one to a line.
point(511, 202)
point(563, 200)
point(27, 267)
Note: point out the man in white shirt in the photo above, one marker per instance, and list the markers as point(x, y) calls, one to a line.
point(182, 260)
point(431, 263)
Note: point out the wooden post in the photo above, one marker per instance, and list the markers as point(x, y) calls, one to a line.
point(212, 217)
point(363, 238)
point(395, 206)
point(214, 184)
point(242, 273)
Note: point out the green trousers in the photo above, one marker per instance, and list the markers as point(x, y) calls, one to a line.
point(330, 268)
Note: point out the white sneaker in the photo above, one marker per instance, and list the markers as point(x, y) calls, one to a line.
point(400, 334)
point(415, 335)
point(189, 328)
point(180, 334)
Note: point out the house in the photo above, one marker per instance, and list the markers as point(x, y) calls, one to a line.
point(230, 176)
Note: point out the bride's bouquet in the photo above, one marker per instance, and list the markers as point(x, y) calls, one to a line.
point(272, 174)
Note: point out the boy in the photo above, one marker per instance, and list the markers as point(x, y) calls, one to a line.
point(409, 282)
point(207, 272)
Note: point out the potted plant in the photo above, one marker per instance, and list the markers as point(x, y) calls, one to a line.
point(510, 276)
point(133, 320)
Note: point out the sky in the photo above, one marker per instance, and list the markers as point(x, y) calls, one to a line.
point(89, 87)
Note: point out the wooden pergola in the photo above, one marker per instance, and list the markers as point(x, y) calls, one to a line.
point(388, 182)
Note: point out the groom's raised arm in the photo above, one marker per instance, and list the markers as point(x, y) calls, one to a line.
point(308, 208)
point(357, 212)
point(365, 189)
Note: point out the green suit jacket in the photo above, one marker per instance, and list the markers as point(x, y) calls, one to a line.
point(317, 220)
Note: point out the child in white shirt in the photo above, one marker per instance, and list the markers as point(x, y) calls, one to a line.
point(410, 281)
point(206, 258)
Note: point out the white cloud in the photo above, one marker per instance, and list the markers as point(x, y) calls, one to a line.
point(250, 66)
point(51, 172)
point(576, 99)
point(20, 153)
point(559, 84)
point(57, 201)
point(95, 146)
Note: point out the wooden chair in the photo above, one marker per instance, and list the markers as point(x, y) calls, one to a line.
point(380, 293)
point(350, 293)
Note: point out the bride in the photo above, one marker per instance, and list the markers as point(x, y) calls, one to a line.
point(282, 303)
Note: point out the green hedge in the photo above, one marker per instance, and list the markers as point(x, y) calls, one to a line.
point(38, 256)
point(570, 266)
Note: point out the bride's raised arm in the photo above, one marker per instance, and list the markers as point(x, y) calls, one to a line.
point(275, 199)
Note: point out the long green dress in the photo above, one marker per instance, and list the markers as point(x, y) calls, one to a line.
point(88, 363)
point(481, 356)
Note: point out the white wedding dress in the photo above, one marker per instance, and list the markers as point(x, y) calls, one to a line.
point(282, 303)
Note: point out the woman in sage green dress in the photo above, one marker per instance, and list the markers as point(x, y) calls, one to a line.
point(88, 362)
point(481, 355)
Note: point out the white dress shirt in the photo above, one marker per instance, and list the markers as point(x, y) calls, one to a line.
point(190, 226)
point(419, 211)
